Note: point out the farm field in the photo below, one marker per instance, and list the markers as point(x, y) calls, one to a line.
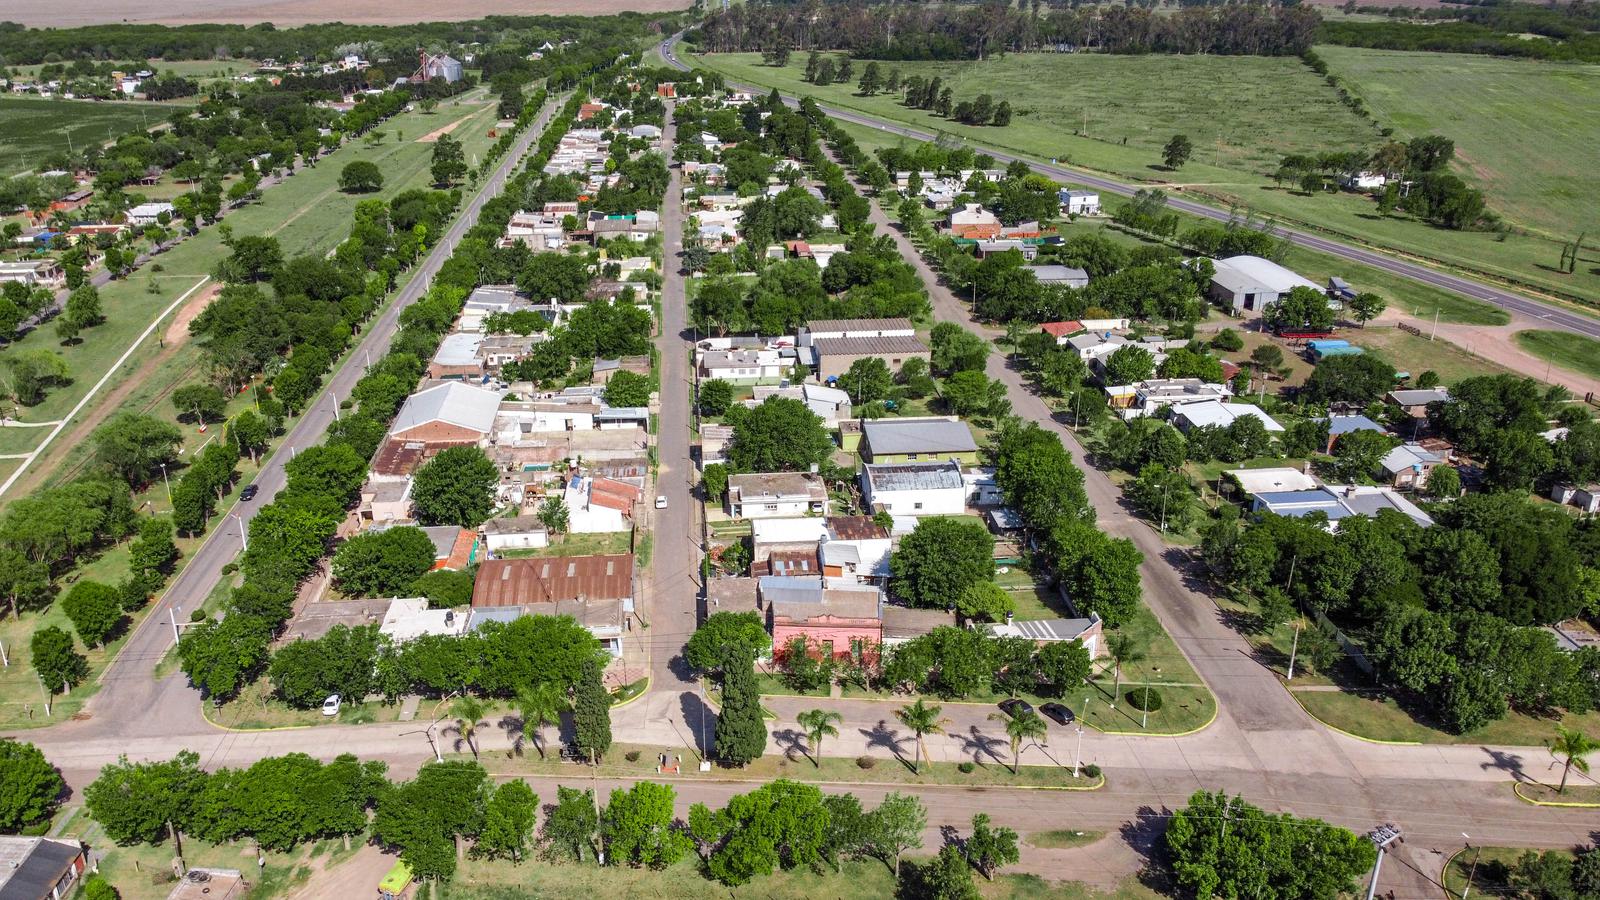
point(1546, 184)
point(1271, 107)
point(35, 126)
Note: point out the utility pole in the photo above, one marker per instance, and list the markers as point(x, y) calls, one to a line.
point(1435, 333)
point(1294, 649)
point(172, 616)
point(1473, 871)
point(1381, 837)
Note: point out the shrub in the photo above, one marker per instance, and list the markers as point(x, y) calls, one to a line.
point(1091, 771)
point(967, 768)
point(1144, 698)
point(865, 762)
point(631, 756)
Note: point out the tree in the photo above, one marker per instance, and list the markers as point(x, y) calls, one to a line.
point(1105, 578)
point(923, 719)
point(24, 583)
point(781, 823)
point(343, 661)
point(1026, 725)
point(220, 657)
point(947, 877)
point(1177, 151)
point(1357, 454)
point(1262, 854)
point(33, 371)
point(896, 826)
point(1572, 747)
point(96, 887)
point(134, 446)
point(360, 177)
point(424, 817)
point(136, 802)
point(1063, 665)
point(1123, 649)
point(540, 706)
point(741, 733)
point(254, 258)
point(940, 560)
point(1302, 309)
point(1361, 378)
point(591, 713)
point(1444, 483)
point(1128, 365)
point(29, 786)
point(95, 610)
point(819, 723)
point(867, 380)
point(629, 389)
point(956, 349)
point(714, 481)
point(1002, 114)
point(469, 712)
point(58, 664)
point(507, 822)
point(569, 826)
point(200, 403)
point(985, 601)
point(555, 276)
point(707, 649)
point(449, 161)
point(83, 307)
point(455, 488)
point(1366, 306)
point(781, 434)
point(1267, 358)
point(637, 826)
point(383, 563)
point(716, 396)
point(871, 79)
point(971, 393)
point(554, 515)
point(990, 847)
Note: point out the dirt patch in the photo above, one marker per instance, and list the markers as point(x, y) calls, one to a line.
point(178, 331)
point(437, 133)
point(354, 877)
point(305, 12)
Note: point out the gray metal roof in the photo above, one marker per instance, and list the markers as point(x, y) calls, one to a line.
point(918, 436)
point(31, 866)
point(1044, 629)
point(915, 476)
point(454, 403)
point(868, 346)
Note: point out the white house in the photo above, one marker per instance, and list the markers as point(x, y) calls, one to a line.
point(1219, 414)
point(149, 213)
point(776, 495)
point(742, 365)
point(409, 618)
point(1079, 203)
point(1362, 181)
point(1145, 398)
point(915, 489)
point(515, 533)
point(854, 328)
point(518, 421)
point(1251, 284)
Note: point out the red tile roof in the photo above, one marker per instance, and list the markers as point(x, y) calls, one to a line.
point(1061, 329)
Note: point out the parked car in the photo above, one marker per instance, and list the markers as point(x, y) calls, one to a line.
point(249, 492)
point(330, 706)
point(1058, 712)
point(661, 502)
point(1016, 708)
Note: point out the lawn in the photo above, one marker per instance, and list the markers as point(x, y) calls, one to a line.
point(256, 708)
point(1242, 114)
point(1567, 350)
point(577, 545)
point(1409, 353)
point(1381, 718)
point(1489, 875)
point(36, 126)
point(1062, 839)
point(1578, 791)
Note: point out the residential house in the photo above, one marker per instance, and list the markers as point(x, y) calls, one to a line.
point(1362, 180)
point(1061, 331)
point(599, 505)
point(1276, 480)
point(210, 884)
point(646, 132)
point(451, 413)
point(783, 536)
point(835, 355)
point(605, 368)
point(150, 213)
point(714, 440)
point(1060, 275)
point(495, 350)
point(40, 868)
point(515, 533)
point(834, 622)
point(1338, 426)
point(855, 548)
point(597, 591)
point(902, 623)
point(743, 365)
point(1146, 398)
point(1408, 466)
point(409, 618)
point(1219, 414)
point(854, 328)
point(1251, 284)
point(776, 495)
point(628, 227)
point(1054, 631)
point(830, 404)
point(1586, 498)
point(1079, 203)
point(1414, 402)
point(525, 420)
point(454, 547)
point(33, 273)
point(431, 66)
point(972, 221)
point(918, 440)
point(1338, 502)
point(990, 248)
point(540, 232)
point(915, 489)
point(457, 357)
point(385, 500)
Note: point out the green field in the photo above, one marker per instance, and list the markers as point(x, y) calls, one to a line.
point(35, 126)
point(1524, 130)
point(1565, 349)
point(1240, 113)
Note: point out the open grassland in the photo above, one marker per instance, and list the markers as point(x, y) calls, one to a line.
point(1565, 349)
point(1526, 131)
point(35, 126)
point(1410, 353)
point(1380, 718)
point(1240, 113)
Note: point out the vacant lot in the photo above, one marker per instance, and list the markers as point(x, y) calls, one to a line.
point(1565, 349)
point(302, 12)
point(1525, 130)
point(35, 126)
point(1239, 112)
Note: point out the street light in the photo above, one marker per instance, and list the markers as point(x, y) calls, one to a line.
point(1473, 871)
point(428, 732)
point(1381, 837)
point(168, 483)
point(1077, 754)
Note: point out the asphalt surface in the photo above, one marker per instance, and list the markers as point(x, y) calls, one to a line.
point(1553, 316)
point(132, 701)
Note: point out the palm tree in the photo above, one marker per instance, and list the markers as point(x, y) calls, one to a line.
point(1024, 726)
point(540, 706)
point(819, 723)
point(469, 715)
point(1123, 650)
point(922, 718)
point(1574, 745)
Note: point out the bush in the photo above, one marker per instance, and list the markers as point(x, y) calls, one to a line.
point(631, 756)
point(967, 768)
point(1091, 771)
point(865, 762)
point(1147, 699)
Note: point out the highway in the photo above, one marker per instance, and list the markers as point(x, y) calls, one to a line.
point(134, 702)
point(1553, 315)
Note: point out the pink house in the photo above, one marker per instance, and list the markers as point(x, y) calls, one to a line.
point(833, 621)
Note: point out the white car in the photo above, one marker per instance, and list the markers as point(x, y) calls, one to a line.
point(661, 502)
point(330, 706)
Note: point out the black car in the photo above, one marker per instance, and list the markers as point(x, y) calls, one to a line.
point(1058, 712)
point(249, 492)
point(1016, 708)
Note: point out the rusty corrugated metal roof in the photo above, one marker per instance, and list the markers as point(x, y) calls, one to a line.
point(518, 582)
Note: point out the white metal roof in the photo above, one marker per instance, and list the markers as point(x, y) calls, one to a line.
point(455, 403)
